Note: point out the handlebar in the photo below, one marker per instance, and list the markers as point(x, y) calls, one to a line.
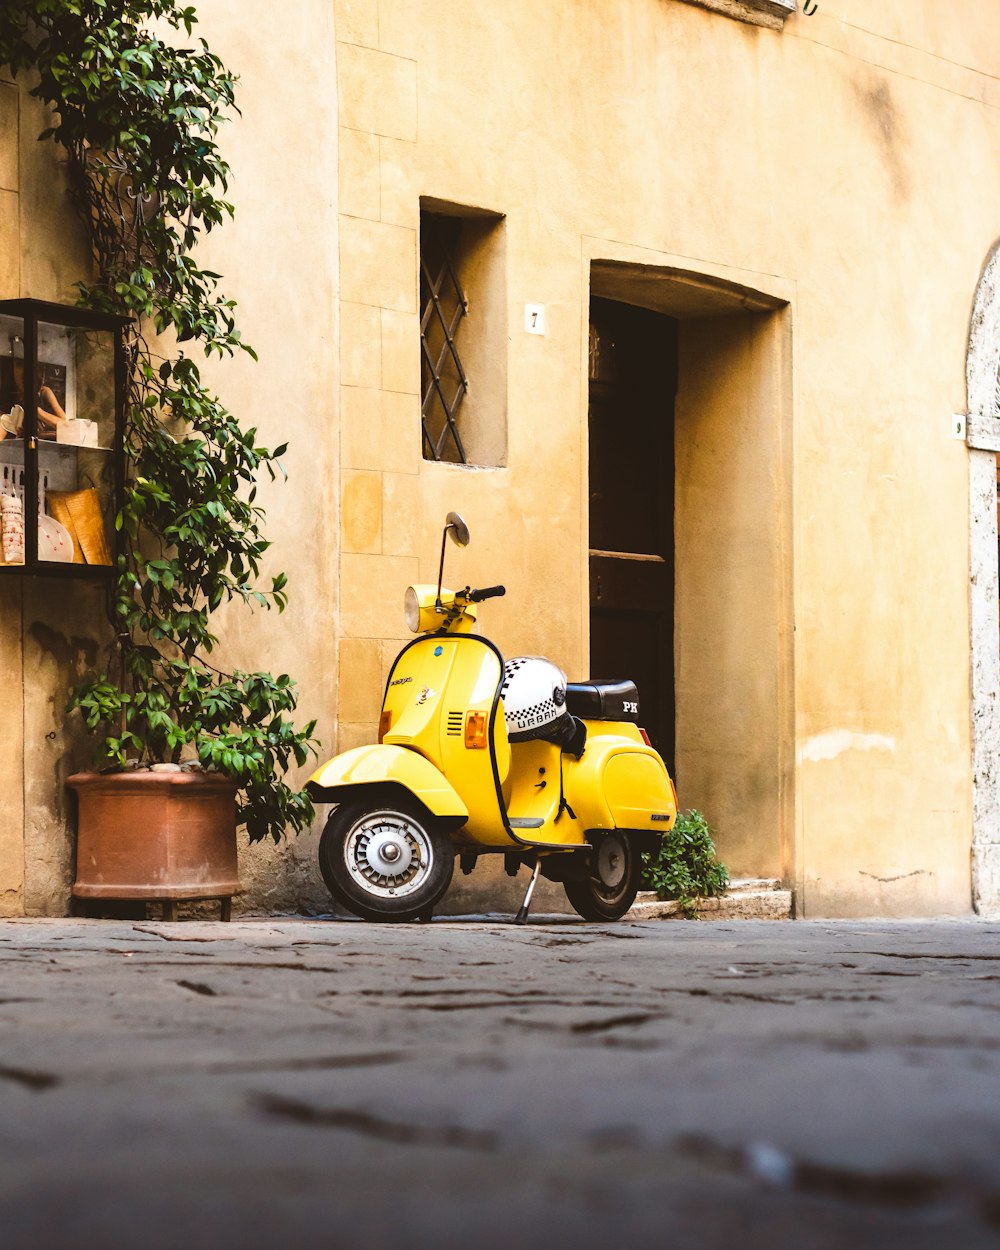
point(488, 592)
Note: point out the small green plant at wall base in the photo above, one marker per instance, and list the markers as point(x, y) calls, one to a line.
point(136, 103)
point(685, 866)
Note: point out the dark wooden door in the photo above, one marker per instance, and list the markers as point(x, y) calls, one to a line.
point(633, 380)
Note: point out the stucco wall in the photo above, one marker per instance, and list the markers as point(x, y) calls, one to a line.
point(279, 258)
point(732, 613)
point(280, 263)
point(827, 161)
point(12, 739)
point(840, 171)
point(49, 633)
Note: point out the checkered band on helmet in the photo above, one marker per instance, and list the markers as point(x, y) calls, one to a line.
point(534, 697)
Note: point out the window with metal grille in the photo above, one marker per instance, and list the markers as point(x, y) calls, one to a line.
point(463, 336)
point(443, 307)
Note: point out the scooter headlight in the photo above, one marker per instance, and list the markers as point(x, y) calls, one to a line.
point(411, 610)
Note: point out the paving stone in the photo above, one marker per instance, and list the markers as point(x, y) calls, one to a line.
point(330, 1083)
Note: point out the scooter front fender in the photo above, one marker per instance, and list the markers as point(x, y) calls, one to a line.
point(368, 767)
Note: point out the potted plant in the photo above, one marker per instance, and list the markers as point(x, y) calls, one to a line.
point(138, 118)
point(684, 866)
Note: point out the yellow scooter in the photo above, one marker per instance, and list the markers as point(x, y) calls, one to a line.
point(476, 756)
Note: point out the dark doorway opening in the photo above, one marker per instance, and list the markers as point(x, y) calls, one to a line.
point(633, 382)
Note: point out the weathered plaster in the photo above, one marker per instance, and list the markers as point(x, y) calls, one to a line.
point(9, 109)
point(11, 752)
point(770, 13)
point(874, 95)
point(827, 746)
point(65, 635)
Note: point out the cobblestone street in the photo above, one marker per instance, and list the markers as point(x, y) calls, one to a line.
point(325, 1083)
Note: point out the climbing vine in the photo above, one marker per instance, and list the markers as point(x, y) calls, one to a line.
point(136, 103)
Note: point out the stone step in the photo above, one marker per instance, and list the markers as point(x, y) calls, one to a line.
point(753, 885)
point(749, 898)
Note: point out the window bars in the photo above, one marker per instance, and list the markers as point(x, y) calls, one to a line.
point(443, 305)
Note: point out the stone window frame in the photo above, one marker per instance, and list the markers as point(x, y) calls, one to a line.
point(770, 13)
point(463, 361)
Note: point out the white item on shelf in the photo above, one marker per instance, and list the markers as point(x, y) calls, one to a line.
point(54, 541)
point(13, 420)
point(78, 433)
point(12, 527)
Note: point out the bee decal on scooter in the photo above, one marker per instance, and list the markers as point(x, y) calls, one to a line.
point(496, 758)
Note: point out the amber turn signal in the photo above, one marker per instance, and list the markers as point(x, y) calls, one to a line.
point(475, 731)
point(384, 721)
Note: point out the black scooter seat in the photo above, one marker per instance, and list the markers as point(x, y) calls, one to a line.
point(603, 698)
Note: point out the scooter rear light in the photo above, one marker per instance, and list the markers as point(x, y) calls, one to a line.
point(384, 722)
point(475, 731)
point(645, 736)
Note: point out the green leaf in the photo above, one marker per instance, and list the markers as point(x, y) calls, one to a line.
point(685, 866)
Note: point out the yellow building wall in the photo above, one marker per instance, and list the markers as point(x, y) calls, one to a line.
point(734, 675)
point(11, 740)
point(832, 188)
point(279, 261)
point(829, 166)
point(49, 631)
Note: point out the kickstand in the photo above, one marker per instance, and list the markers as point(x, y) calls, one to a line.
point(522, 914)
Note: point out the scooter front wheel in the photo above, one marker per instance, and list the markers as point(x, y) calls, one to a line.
point(385, 863)
point(608, 889)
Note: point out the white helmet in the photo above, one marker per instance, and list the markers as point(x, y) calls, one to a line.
point(534, 698)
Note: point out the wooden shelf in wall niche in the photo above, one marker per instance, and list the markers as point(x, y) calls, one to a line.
point(63, 469)
point(68, 466)
point(61, 459)
point(80, 354)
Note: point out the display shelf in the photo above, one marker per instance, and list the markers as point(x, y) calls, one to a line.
point(63, 371)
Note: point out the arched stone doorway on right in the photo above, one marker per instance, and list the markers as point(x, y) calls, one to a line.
point(712, 576)
point(983, 437)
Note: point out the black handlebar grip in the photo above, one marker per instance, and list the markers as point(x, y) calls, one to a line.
point(488, 592)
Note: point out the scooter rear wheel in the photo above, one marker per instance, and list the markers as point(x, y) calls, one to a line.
point(608, 889)
point(385, 863)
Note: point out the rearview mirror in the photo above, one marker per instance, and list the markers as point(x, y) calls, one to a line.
point(458, 530)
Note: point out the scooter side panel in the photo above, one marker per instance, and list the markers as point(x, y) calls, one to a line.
point(583, 783)
point(619, 783)
point(375, 764)
point(638, 791)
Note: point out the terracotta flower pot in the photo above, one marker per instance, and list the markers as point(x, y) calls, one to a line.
point(156, 836)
